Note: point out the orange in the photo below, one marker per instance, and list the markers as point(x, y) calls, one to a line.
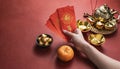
point(65, 53)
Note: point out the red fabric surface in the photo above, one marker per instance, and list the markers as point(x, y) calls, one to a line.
point(21, 21)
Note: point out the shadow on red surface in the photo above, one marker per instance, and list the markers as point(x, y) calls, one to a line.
point(41, 51)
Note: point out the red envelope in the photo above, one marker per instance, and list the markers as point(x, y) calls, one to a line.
point(56, 22)
point(67, 18)
point(62, 19)
point(51, 27)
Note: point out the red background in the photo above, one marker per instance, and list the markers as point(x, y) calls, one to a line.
point(21, 21)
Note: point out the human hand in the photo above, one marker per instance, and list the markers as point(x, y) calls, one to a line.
point(77, 39)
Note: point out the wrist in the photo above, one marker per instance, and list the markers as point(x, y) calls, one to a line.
point(86, 46)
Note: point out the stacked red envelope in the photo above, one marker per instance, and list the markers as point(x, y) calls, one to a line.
point(62, 19)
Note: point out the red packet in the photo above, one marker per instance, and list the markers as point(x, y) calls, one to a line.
point(51, 27)
point(56, 22)
point(67, 18)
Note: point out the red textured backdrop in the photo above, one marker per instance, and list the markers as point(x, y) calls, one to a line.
point(21, 21)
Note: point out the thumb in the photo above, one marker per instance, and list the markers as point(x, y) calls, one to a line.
point(70, 34)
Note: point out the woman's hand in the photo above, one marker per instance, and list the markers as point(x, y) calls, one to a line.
point(77, 39)
point(102, 61)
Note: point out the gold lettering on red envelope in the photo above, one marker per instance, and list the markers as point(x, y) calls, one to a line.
point(67, 18)
point(69, 28)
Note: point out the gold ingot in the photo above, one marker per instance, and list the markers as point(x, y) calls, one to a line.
point(101, 19)
point(46, 43)
point(83, 26)
point(39, 38)
point(44, 35)
point(45, 39)
point(99, 25)
point(91, 20)
point(110, 26)
point(49, 40)
point(41, 43)
point(96, 39)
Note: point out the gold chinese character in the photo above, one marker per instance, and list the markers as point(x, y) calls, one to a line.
point(69, 28)
point(67, 17)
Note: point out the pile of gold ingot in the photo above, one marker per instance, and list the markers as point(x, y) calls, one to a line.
point(102, 24)
point(44, 40)
point(96, 39)
point(103, 18)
